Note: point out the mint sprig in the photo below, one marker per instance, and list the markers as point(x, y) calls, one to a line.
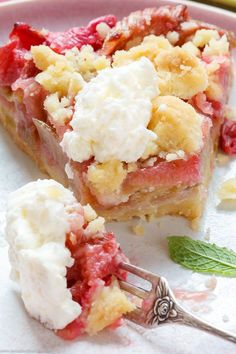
point(201, 256)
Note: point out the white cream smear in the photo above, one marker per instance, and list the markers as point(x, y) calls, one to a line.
point(36, 226)
point(112, 113)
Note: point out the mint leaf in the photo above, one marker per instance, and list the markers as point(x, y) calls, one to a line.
point(201, 256)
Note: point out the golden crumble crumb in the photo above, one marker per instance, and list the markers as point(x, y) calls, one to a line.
point(207, 234)
point(177, 125)
point(195, 224)
point(217, 47)
point(65, 74)
point(214, 89)
point(109, 304)
point(203, 37)
point(59, 110)
point(191, 48)
point(95, 226)
point(131, 167)
point(227, 190)
point(138, 229)
point(43, 57)
point(230, 112)
point(150, 47)
point(58, 78)
point(89, 213)
point(86, 61)
point(181, 73)
point(172, 37)
point(107, 177)
point(211, 283)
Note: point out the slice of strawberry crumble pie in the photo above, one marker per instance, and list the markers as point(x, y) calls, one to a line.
point(66, 263)
point(127, 113)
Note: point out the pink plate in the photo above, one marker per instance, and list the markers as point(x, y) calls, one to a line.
point(60, 14)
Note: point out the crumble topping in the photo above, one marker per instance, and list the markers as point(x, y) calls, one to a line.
point(105, 181)
point(203, 37)
point(149, 162)
point(107, 177)
point(60, 110)
point(188, 25)
point(191, 48)
point(95, 227)
point(178, 126)
point(66, 74)
point(58, 74)
point(89, 213)
point(87, 62)
point(109, 303)
point(217, 47)
point(178, 155)
point(181, 73)
point(172, 37)
point(150, 47)
point(138, 229)
point(214, 90)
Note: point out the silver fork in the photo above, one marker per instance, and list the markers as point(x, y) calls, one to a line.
point(159, 305)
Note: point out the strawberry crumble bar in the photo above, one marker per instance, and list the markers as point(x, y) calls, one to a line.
point(66, 263)
point(126, 113)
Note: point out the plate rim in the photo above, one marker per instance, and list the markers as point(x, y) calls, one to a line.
point(193, 5)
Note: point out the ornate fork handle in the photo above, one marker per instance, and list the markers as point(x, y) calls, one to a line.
point(165, 309)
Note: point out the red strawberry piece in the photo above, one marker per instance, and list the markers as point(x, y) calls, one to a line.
point(75, 37)
point(12, 63)
point(72, 330)
point(26, 36)
point(167, 173)
point(79, 36)
point(228, 137)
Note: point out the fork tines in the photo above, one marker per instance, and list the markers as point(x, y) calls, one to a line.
point(133, 289)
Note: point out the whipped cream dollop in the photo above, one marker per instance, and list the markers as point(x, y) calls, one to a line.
point(112, 113)
point(36, 225)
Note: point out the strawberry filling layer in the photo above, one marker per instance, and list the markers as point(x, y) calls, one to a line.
point(228, 137)
point(167, 174)
point(96, 261)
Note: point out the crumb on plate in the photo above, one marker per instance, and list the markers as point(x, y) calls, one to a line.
point(207, 234)
point(227, 190)
point(195, 224)
point(211, 283)
point(138, 229)
point(225, 318)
